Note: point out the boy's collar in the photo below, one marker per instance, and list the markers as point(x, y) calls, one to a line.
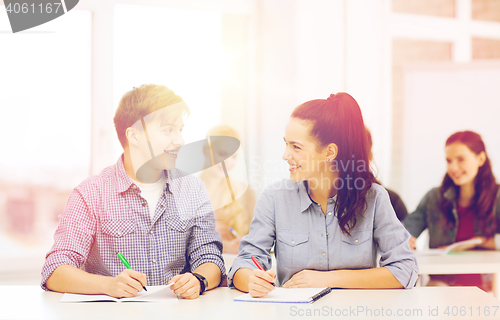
point(124, 182)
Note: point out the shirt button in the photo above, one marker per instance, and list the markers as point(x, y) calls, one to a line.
point(331, 200)
point(153, 260)
point(183, 227)
point(134, 186)
point(324, 254)
point(144, 204)
point(293, 242)
point(119, 233)
point(151, 232)
point(357, 241)
point(330, 213)
point(161, 206)
point(327, 234)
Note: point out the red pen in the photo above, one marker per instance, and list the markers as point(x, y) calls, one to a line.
point(260, 267)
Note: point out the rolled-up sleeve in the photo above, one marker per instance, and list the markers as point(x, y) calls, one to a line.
point(73, 237)
point(260, 238)
point(205, 243)
point(392, 239)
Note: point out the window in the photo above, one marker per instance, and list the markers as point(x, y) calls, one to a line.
point(45, 108)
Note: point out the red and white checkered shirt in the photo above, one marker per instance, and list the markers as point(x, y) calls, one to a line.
point(106, 214)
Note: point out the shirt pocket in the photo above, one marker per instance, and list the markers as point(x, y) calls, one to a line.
point(120, 236)
point(357, 249)
point(176, 224)
point(177, 232)
point(293, 249)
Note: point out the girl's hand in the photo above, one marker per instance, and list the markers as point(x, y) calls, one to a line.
point(259, 283)
point(487, 244)
point(308, 279)
point(186, 285)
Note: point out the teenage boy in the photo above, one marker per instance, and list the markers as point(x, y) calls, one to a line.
point(142, 207)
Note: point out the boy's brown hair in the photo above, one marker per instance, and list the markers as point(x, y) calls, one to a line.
point(139, 102)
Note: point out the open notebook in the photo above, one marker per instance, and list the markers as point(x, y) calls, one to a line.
point(284, 295)
point(154, 294)
point(451, 248)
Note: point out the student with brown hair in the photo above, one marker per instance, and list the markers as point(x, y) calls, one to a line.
point(161, 220)
point(329, 221)
point(465, 206)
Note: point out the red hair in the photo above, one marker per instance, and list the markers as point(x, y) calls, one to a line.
point(338, 120)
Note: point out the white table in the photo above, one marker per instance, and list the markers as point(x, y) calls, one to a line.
point(30, 302)
point(471, 261)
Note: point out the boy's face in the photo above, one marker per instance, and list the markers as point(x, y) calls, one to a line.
point(165, 137)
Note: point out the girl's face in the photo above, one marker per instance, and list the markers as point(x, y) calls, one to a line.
point(463, 164)
point(301, 154)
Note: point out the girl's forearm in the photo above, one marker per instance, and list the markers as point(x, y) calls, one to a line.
point(376, 278)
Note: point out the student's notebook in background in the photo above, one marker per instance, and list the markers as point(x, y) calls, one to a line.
point(292, 295)
point(455, 247)
point(154, 294)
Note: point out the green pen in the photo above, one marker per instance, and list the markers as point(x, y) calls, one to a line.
point(127, 265)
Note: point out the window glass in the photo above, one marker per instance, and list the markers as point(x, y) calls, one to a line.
point(45, 146)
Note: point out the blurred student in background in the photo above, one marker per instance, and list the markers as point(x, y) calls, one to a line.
point(232, 218)
point(397, 203)
point(464, 207)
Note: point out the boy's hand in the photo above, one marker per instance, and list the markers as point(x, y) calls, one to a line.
point(186, 285)
point(126, 284)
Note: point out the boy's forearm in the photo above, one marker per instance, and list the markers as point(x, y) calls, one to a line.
point(211, 272)
point(66, 278)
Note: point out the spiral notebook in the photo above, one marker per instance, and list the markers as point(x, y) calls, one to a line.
point(293, 295)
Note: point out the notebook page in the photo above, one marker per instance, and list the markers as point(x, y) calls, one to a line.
point(284, 295)
point(154, 294)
